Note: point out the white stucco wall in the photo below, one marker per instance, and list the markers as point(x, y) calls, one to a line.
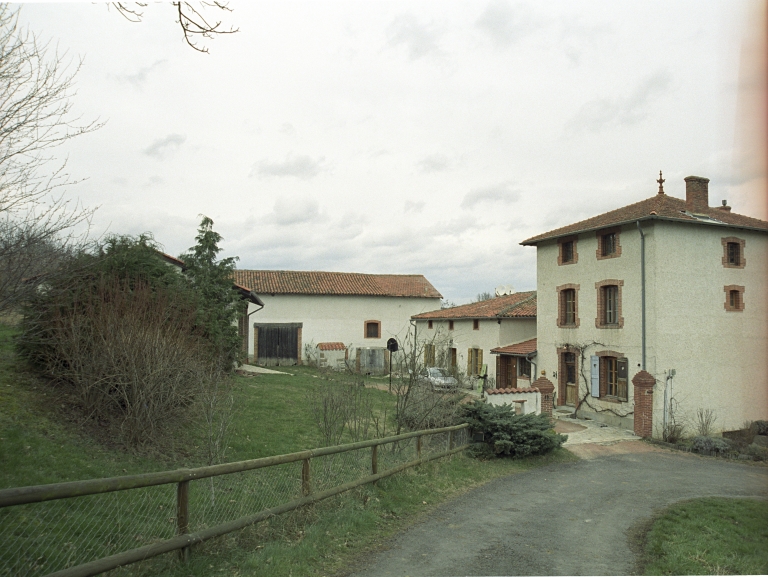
point(331, 318)
point(720, 357)
point(489, 335)
point(532, 400)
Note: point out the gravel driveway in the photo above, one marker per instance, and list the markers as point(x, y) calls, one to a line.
point(568, 519)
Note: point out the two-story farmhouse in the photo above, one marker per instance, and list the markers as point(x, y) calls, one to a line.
point(675, 287)
point(463, 337)
point(345, 316)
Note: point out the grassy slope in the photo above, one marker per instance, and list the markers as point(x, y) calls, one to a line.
point(710, 536)
point(38, 446)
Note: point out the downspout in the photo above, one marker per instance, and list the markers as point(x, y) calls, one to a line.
point(642, 286)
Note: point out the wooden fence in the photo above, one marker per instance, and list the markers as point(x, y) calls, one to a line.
point(442, 442)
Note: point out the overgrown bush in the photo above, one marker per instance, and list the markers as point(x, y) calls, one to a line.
point(508, 434)
point(120, 329)
point(428, 409)
point(705, 422)
point(759, 427)
point(708, 445)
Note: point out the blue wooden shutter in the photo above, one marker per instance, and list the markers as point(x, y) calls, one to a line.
point(595, 362)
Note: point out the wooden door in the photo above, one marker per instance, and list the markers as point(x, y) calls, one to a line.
point(506, 377)
point(571, 382)
point(278, 344)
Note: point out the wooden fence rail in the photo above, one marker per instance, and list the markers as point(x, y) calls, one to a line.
point(182, 477)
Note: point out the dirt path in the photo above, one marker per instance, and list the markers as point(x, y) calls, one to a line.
point(569, 519)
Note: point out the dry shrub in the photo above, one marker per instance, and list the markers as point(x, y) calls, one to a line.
point(129, 352)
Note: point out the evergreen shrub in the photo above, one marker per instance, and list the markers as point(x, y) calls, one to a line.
point(507, 434)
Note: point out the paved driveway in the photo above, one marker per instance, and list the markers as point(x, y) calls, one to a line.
point(567, 519)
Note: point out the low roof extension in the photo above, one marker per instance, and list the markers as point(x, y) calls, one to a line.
point(335, 283)
point(517, 305)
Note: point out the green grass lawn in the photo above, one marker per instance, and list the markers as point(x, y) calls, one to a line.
point(710, 536)
point(43, 442)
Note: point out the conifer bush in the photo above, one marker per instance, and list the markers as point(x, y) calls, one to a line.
point(507, 434)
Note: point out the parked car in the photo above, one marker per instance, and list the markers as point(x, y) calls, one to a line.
point(439, 379)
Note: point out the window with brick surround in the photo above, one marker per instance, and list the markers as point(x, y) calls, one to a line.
point(608, 243)
point(568, 306)
point(372, 329)
point(734, 298)
point(567, 252)
point(609, 304)
point(614, 370)
point(733, 252)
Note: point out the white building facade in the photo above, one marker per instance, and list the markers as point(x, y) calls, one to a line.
point(671, 286)
point(303, 309)
point(464, 337)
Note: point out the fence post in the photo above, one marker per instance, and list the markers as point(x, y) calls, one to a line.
point(182, 515)
point(374, 459)
point(418, 447)
point(306, 487)
point(450, 440)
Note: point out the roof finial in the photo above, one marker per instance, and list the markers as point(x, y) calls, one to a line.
point(661, 182)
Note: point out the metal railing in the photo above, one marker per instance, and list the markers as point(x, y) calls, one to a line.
point(83, 528)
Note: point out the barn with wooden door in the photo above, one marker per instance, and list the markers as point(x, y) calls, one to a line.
point(305, 308)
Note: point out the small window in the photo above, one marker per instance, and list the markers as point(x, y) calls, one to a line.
point(568, 307)
point(476, 324)
point(453, 357)
point(523, 367)
point(568, 251)
point(450, 325)
point(734, 298)
point(734, 254)
point(610, 305)
point(429, 324)
point(474, 361)
point(608, 244)
point(372, 329)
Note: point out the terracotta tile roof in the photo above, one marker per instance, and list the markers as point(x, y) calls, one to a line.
point(521, 304)
point(332, 346)
point(335, 283)
point(523, 348)
point(660, 207)
point(511, 391)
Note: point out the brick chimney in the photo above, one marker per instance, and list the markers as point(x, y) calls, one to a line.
point(697, 194)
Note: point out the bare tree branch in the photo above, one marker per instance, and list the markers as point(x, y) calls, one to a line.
point(36, 222)
point(191, 19)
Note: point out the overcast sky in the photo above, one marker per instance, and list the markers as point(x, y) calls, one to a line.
point(406, 137)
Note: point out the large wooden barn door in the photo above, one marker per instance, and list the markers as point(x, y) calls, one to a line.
point(277, 344)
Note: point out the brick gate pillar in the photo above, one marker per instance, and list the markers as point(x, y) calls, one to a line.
point(547, 389)
point(643, 382)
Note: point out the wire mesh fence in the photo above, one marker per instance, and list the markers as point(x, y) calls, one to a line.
point(38, 538)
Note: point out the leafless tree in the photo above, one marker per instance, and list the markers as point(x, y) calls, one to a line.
point(192, 19)
point(36, 222)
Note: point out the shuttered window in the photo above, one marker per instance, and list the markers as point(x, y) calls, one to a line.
point(372, 329)
point(429, 355)
point(474, 361)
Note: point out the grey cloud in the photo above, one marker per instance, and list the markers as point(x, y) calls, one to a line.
point(419, 40)
point(290, 211)
point(411, 206)
point(497, 193)
point(163, 147)
point(140, 78)
point(302, 167)
point(601, 113)
point(433, 163)
point(505, 23)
